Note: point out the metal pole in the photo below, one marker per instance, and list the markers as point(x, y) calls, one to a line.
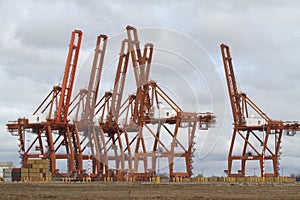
point(202, 172)
point(158, 146)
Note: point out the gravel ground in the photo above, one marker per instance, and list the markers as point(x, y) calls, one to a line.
point(66, 191)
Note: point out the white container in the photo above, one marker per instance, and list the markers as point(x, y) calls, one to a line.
point(7, 175)
point(6, 164)
point(7, 170)
point(7, 179)
point(5, 167)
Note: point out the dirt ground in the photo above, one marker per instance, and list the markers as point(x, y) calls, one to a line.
point(95, 191)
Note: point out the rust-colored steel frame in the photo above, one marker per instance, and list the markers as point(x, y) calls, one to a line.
point(119, 84)
point(111, 126)
point(85, 105)
point(127, 141)
point(134, 150)
point(170, 126)
point(62, 139)
point(110, 110)
point(260, 142)
point(68, 80)
point(62, 143)
point(123, 144)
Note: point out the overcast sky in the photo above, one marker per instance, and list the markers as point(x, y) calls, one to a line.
point(264, 37)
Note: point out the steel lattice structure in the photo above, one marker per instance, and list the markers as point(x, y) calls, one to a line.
point(256, 137)
point(50, 121)
point(119, 136)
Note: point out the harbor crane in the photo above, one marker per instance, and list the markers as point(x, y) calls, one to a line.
point(54, 137)
point(256, 137)
point(145, 125)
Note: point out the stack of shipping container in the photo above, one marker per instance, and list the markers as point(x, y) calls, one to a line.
point(36, 170)
point(33, 171)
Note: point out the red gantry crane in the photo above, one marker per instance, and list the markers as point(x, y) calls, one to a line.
point(146, 125)
point(256, 137)
point(131, 135)
point(84, 108)
point(54, 138)
point(165, 131)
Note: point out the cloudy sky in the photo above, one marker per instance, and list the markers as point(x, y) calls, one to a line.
point(264, 37)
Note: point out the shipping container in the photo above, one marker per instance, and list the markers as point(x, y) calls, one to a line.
point(39, 166)
point(42, 161)
point(34, 170)
point(7, 173)
point(7, 170)
point(37, 161)
point(30, 161)
point(27, 165)
point(16, 173)
point(24, 170)
point(4, 166)
point(7, 179)
point(32, 174)
point(16, 169)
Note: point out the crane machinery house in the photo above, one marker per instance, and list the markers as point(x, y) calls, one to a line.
point(37, 118)
point(163, 113)
point(255, 121)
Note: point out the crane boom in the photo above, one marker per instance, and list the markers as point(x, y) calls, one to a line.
point(232, 86)
point(95, 78)
point(119, 84)
point(69, 75)
point(141, 62)
point(141, 67)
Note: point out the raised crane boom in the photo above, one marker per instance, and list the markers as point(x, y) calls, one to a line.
point(234, 95)
point(141, 62)
point(85, 103)
point(95, 78)
point(68, 80)
point(119, 84)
